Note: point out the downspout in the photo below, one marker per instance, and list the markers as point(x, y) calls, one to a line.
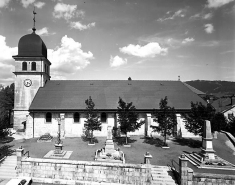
point(33, 124)
point(41, 72)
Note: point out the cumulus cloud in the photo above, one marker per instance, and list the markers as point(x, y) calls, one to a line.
point(187, 40)
point(6, 51)
point(4, 3)
point(26, 3)
point(179, 13)
point(6, 61)
point(44, 32)
point(117, 61)
point(209, 28)
point(68, 58)
point(217, 3)
point(65, 11)
point(150, 50)
point(39, 4)
point(78, 25)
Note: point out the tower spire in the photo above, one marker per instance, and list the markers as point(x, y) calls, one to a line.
point(34, 13)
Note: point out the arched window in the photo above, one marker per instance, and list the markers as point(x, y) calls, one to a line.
point(33, 66)
point(48, 117)
point(24, 66)
point(103, 117)
point(76, 117)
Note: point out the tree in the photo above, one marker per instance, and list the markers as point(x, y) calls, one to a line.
point(194, 120)
point(166, 119)
point(6, 106)
point(92, 119)
point(231, 126)
point(218, 122)
point(128, 117)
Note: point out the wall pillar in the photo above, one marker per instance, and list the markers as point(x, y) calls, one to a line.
point(147, 124)
point(19, 155)
point(178, 126)
point(183, 163)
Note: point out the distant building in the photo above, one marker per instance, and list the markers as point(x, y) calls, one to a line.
point(230, 112)
point(39, 101)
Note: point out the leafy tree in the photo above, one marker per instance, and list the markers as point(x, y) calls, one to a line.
point(6, 106)
point(194, 120)
point(92, 119)
point(218, 122)
point(166, 118)
point(128, 117)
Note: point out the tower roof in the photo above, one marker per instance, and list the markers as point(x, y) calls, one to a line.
point(31, 45)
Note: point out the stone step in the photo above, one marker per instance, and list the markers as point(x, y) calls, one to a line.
point(163, 178)
point(4, 182)
point(193, 159)
point(162, 175)
point(162, 183)
point(7, 167)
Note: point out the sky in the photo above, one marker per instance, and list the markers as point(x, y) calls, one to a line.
point(117, 39)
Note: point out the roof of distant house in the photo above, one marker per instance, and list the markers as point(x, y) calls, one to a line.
point(145, 95)
point(223, 104)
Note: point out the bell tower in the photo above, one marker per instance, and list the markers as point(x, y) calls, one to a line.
point(32, 71)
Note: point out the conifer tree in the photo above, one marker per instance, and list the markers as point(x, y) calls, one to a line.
point(92, 119)
point(166, 119)
point(128, 117)
point(6, 107)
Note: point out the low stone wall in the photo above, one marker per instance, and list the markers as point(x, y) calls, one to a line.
point(189, 177)
point(204, 178)
point(230, 136)
point(77, 172)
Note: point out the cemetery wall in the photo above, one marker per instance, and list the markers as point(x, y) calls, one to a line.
point(79, 172)
point(189, 177)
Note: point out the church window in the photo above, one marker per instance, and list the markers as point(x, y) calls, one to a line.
point(76, 117)
point(24, 66)
point(48, 117)
point(33, 66)
point(103, 117)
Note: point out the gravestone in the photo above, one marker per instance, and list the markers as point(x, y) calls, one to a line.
point(109, 146)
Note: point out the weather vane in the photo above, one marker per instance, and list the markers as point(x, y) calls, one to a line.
point(34, 13)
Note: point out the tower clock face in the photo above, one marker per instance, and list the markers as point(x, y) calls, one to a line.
point(27, 82)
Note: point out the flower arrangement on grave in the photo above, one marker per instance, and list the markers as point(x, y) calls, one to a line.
point(46, 137)
point(109, 155)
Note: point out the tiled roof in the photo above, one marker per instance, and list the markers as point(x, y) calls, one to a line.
point(145, 95)
point(194, 89)
point(223, 104)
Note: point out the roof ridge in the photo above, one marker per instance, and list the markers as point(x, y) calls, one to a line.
point(123, 80)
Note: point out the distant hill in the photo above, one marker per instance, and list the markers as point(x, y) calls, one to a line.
point(217, 88)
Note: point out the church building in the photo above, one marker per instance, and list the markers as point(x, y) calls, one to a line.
point(40, 103)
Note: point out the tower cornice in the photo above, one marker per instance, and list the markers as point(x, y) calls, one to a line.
point(31, 73)
point(31, 58)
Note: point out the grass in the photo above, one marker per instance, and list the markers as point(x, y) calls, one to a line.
point(134, 154)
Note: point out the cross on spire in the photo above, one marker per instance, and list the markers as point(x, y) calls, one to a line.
point(34, 13)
